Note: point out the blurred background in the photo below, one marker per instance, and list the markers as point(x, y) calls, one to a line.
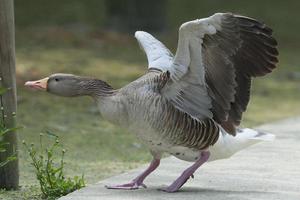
point(95, 38)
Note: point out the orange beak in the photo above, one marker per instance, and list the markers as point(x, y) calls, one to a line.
point(39, 85)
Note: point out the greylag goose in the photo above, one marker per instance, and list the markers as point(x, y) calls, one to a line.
point(188, 105)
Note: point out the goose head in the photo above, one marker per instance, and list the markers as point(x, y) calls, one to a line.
point(69, 85)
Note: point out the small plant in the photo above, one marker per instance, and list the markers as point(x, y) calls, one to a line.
point(49, 173)
point(3, 131)
point(3, 144)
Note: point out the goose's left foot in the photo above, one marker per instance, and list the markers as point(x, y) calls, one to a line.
point(138, 181)
point(133, 185)
point(180, 181)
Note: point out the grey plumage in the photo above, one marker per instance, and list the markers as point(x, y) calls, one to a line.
point(171, 124)
point(70, 85)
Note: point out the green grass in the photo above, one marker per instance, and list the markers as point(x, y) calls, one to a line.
point(95, 147)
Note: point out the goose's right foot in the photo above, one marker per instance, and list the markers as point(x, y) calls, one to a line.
point(189, 172)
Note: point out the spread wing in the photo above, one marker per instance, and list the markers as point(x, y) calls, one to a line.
point(247, 50)
point(215, 60)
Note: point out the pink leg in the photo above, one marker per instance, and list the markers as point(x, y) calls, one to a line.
point(180, 181)
point(138, 181)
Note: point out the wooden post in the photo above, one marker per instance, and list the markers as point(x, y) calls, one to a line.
point(9, 174)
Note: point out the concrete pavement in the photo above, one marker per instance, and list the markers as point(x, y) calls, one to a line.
point(265, 171)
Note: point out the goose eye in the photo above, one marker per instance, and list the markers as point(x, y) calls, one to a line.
point(56, 79)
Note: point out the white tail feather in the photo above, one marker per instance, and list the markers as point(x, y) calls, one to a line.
point(263, 136)
point(227, 145)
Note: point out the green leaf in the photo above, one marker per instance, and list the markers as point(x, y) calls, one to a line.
point(2, 144)
point(10, 130)
point(2, 164)
point(9, 159)
point(2, 90)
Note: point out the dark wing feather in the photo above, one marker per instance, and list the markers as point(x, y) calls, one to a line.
point(242, 49)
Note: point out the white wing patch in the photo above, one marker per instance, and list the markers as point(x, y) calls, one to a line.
point(158, 55)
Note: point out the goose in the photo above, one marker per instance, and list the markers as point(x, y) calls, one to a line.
point(189, 105)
